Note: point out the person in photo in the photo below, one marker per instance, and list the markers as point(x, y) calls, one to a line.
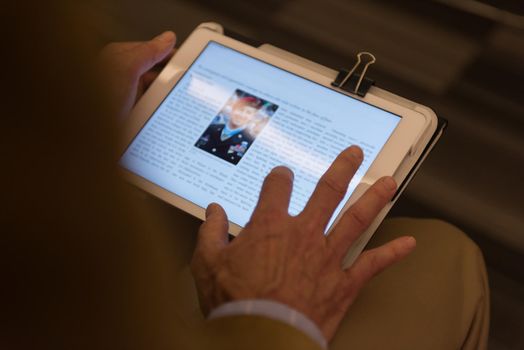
point(230, 137)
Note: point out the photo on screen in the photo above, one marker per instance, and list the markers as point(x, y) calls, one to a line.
point(236, 126)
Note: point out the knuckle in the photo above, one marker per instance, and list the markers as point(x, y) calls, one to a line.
point(335, 186)
point(374, 265)
point(358, 218)
point(352, 157)
point(394, 254)
point(381, 192)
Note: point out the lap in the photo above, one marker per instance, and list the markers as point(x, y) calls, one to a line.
point(437, 298)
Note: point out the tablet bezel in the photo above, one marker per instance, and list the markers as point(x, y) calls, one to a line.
point(411, 127)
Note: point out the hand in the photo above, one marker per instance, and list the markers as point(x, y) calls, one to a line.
point(289, 259)
point(129, 68)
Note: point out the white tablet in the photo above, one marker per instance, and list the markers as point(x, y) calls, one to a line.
point(223, 113)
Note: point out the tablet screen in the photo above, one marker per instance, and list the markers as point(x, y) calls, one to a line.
point(232, 118)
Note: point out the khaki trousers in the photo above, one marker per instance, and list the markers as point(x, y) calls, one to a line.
point(437, 298)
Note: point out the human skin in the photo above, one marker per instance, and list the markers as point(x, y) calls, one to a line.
point(288, 259)
point(276, 256)
point(241, 115)
point(129, 68)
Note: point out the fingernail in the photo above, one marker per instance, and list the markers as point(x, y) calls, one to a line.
point(390, 183)
point(166, 37)
point(410, 242)
point(211, 208)
point(284, 171)
point(356, 152)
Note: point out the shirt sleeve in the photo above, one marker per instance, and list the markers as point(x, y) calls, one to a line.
point(274, 310)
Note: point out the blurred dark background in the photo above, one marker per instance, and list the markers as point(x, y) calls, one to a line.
point(464, 59)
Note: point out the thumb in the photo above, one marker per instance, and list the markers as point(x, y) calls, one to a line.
point(213, 233)
point(146, 55)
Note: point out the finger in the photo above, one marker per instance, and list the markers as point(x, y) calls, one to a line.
point(120, 47)
point(213, 233)
point(332, 187)
point(276, 192)
point(160, 65)
point(361, 214)
point(145, 56)
point(157, 68)
point(148, 78)
point(372, 262)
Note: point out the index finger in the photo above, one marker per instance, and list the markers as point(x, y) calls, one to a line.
point(276, 192)
point(332, 187)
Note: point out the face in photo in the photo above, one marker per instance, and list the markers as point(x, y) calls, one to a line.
point(236, 126)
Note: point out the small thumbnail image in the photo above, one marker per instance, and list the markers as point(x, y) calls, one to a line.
point(234, 129)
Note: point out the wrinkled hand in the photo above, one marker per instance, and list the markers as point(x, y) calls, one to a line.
point(129, 68)
point(289, 259)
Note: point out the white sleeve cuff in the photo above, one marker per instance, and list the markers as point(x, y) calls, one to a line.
point(274, 310)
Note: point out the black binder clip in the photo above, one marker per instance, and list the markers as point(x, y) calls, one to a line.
point(355, 83)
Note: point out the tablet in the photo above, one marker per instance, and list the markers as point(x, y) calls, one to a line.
point(223, 113)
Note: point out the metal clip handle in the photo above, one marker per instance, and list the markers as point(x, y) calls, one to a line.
point(366, 66)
